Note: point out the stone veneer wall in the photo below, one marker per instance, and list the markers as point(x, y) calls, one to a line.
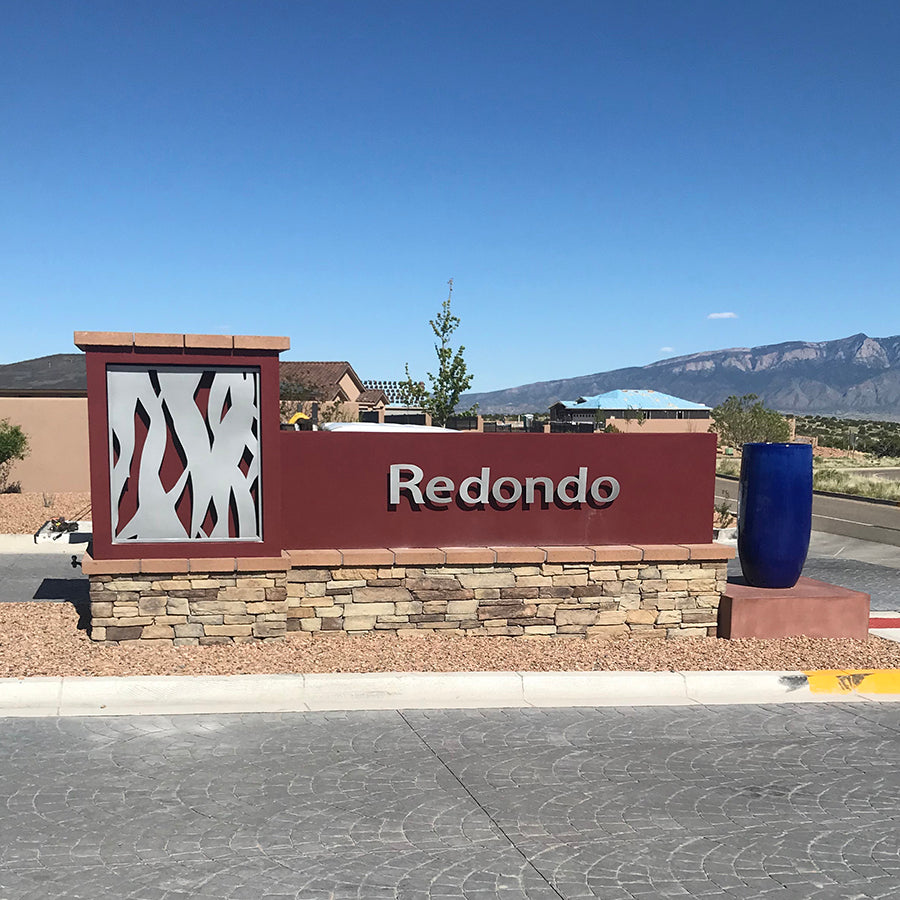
point(186, 603)
point(641, 595)
point(666, 591)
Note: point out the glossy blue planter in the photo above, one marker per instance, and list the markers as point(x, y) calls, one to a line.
point(774, 513)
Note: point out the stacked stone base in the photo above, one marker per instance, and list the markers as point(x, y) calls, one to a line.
point(637, 598)
point(187, 608)
point(654, 592)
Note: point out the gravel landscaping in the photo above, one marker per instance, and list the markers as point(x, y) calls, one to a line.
point(43, 639)
point(25, 513)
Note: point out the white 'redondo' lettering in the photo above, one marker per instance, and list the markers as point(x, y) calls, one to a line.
point(505, 490)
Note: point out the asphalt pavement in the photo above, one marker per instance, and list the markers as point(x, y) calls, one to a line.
point(835, 514)
point(40, 572)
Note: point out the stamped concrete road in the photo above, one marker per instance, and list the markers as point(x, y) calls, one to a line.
point(735, 802)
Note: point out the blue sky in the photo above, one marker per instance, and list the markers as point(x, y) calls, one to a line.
point(599, 179)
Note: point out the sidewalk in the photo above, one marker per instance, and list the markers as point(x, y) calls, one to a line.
point(174, 695)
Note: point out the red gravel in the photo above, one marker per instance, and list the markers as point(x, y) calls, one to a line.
point(43, 639)
point(25, 513)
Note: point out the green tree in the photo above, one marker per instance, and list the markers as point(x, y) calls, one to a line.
point(635, 415)
point(742, 420)
point(452, 377)
point(13, 446)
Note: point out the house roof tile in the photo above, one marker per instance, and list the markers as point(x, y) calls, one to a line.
point(63, 372)
point(323, 376)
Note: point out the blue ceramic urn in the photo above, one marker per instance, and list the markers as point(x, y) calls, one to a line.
point(774, 513)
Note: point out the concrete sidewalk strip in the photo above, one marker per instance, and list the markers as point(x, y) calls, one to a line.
point(414, 690)
point(181, 695)
point(38, 696)
point(889, 634)
point(176, 695)
point(553, 689)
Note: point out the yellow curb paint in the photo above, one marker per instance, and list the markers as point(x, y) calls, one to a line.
point(850, 681)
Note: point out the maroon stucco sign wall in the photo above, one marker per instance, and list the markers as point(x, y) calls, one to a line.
point(188, 462)
point(356, 489)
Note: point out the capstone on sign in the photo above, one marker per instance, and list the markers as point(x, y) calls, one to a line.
point(406, 479)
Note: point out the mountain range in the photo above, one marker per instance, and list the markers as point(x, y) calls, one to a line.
point(853, 377)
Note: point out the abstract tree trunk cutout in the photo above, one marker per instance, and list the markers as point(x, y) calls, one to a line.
point(194, 474)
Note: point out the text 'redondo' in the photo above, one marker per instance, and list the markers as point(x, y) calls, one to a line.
point(504, 489)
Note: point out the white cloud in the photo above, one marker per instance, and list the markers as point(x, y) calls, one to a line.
point(725, 315)
point(666, 349)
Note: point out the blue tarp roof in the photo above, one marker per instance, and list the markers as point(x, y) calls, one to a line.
point(632, 399)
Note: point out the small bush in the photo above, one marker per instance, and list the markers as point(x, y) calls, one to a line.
point(728, 467)
point(13, 446)
point(724, 516)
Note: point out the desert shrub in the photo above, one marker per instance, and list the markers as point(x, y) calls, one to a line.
point(13, 446)
point(742, 420)
point(841, 482)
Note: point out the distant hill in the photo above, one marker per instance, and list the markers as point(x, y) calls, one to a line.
point(856, 376)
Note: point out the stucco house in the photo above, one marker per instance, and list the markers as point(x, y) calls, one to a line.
point(333, 383)
point(47, 398)
point(633, 410)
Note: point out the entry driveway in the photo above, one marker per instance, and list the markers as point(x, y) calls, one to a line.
point(736, 802)
point(43, 571)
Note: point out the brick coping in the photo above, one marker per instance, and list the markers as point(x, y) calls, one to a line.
point(126, 340)
point(439, 556)
point(414, 556)
point(213, 566)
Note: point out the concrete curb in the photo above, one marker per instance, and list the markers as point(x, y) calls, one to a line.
point(181, 695)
